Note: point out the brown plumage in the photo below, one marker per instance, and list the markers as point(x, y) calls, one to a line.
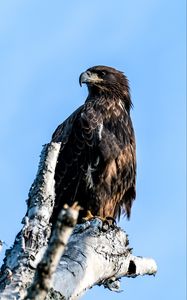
point(97, 161)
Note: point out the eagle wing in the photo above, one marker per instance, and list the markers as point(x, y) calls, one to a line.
point(118, 180)
point(79, 136)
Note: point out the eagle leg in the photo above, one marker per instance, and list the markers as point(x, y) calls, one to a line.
point(107, 221)
point(88, 216)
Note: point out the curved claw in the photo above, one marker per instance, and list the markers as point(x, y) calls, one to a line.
point(107, 221)
point(113, 221)
point(105, 225)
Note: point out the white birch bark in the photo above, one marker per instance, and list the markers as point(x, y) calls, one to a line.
point(66, 221)
point(18, 268)
point(95, 256)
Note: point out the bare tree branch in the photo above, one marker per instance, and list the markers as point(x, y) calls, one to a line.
point(94, 254)
point(67, 220)
point(30, 243)
point(97, 256)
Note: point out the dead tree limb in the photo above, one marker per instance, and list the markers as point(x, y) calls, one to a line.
point(30, 243)
point(66, 221)
point(94, 254)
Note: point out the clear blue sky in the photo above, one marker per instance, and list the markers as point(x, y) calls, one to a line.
point(44, 46)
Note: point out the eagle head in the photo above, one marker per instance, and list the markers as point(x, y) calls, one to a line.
point(106, 81)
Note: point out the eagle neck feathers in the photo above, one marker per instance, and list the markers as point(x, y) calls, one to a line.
point(114, 94)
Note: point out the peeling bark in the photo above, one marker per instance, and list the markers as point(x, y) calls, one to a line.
point(30, 243)
point(95, 254)
point(66, 221)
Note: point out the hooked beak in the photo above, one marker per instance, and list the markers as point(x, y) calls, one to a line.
point(89, 77)
point(84, 77)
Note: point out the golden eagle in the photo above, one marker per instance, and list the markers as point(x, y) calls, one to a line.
point(97, 160)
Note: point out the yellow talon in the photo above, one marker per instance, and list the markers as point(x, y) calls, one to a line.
point(106, 220)
point(88, 216)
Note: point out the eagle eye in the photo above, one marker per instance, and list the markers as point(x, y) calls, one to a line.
point(103, 73)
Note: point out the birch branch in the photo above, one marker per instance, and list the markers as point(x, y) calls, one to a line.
point(66, 221)
point(30, 243)
point(95, 256)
